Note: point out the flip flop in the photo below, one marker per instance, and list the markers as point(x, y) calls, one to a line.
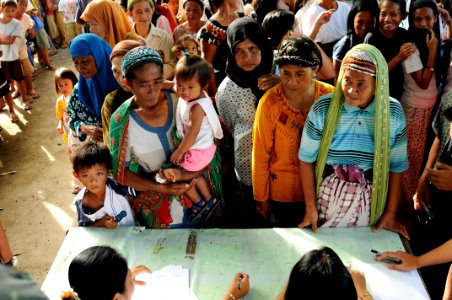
point(27, 106)
point(196, 210)
point(14, 118)
point(210, 207)
point(34, 95)
point(50, 68)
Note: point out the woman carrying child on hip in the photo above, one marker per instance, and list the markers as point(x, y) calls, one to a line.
point(197, 124)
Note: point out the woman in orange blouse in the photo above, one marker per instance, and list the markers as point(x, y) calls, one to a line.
point(279, 122)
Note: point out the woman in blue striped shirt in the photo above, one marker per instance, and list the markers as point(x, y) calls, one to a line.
point(353, 149)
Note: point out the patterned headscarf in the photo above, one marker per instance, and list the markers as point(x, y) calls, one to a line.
point(300, 51)
point(360, 55)
point(92, 92)
point(137, 57)
point(112, 16)
point(238, 31)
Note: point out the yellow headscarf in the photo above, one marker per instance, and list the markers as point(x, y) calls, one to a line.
point(112, 16)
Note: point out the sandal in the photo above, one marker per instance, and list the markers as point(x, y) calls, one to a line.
point(14, 118)
point(210, 207)
point(197, 210)
point(75, 188)
point(27, 106)
point(34, 95)
point(50, 67)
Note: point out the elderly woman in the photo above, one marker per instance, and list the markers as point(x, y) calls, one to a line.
point(212, 36)
point(141, 143)
point(280, 119)
point(356, 141)
point(114, 99)
point(108, 20)
point(250, 58)
point(194, 10)
point(90, 55)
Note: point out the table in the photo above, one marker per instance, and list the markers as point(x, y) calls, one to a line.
point(214, 255)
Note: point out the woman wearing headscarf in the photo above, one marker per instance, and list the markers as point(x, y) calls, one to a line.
point(212, 36)
point(108, 20)
point(353, 149)
point(280, 118)
point(250, 57)
point(90, 55)
point(114, 99)
point(142, 139)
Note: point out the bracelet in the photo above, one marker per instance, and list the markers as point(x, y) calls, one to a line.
point(430, 68)
point(232, 296)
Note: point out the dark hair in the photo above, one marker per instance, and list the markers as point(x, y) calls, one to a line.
point(362, 6)
point(320, 274)
point(400, 3)
point(89, 154)
point(263, 7)
point(191, 65)
point(277, 23)
point(64, 73)
point(179, 45)
point(418, 36)
point(448, 113)
point(6, 3)
point(98, 273)
point(200, 2)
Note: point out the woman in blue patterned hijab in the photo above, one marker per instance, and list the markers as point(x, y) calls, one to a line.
point(91, 57)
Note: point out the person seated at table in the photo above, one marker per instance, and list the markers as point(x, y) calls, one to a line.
point(102, 202)
point(321, 274)
point(354, 149)
point(100, 272)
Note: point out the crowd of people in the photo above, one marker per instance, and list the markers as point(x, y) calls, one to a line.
point(248, 115)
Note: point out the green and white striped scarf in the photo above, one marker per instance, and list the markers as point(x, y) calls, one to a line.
point(382, 130)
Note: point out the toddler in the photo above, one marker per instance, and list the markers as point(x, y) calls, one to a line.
point(197, 124)
point(102, 202)
point(187, 44)
point(65, 80)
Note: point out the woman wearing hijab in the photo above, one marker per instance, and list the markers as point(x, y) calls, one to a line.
point(280, 118)
point(90, 55)
point(353, 149)
point(250, 58)
point(108, 20)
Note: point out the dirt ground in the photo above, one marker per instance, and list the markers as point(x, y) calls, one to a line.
point(36, 201)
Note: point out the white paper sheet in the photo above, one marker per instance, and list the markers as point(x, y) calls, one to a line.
point(169, 283)
point(386, 284)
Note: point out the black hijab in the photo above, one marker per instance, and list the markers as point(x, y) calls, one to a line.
point(238, 31)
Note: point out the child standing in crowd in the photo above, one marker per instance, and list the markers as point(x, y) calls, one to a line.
point(420, 88)
point(186, 44)
point(197, 124)
point(393, 42)
point(141, 12)
point(65, 80)
point(6, 98)
point(102, 202)
point(69, 8)
point(361, 20)
point(10, 43)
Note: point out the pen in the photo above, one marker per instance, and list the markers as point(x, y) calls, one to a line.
point(390, 259)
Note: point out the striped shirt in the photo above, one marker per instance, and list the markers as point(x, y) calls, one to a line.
point(353, 140)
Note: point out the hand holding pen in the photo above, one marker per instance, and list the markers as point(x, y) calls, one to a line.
point(398, 260)
point(239, 286)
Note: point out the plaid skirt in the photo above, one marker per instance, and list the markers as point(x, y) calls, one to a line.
point(344, 198)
